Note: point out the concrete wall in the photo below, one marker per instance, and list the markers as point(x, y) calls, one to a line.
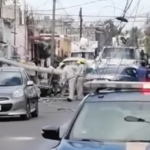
point(21, 36)
point(8, 38)
point(8, 12)
point(21, 40)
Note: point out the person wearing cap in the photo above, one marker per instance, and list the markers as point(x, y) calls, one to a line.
point(81, 72)
point(68, 75)
point(142, 72)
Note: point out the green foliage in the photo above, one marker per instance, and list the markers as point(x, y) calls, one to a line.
point(135, 35)
point(110, 30)
point(147, 36)
point(147, 44)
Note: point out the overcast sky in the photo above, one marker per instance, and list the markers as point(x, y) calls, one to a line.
point(94, 10)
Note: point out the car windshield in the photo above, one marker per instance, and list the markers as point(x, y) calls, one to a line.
point(105, 121)
point(119, 53)
point(107, 70)
point(9, 78)
point(87, 55)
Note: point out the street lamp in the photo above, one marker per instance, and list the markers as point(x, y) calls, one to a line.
point(122, 19)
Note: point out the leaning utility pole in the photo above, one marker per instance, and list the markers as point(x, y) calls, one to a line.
point(81, 21)
point(53, 34)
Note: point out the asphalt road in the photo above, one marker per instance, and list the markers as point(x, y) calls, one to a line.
point(26, 135)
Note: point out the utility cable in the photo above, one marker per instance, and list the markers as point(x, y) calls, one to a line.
point(124, 13)
point(74, 6)
point(62, 7)
point(132, 37)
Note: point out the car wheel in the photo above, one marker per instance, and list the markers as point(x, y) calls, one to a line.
point(36, 112)
point(27, 116)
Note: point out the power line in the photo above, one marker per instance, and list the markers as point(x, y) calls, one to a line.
point(127, 7)
point(88, 21)
point(74, 6)
point(62, 6)
point(137, 7)
point(138, 3)
point(97, 16)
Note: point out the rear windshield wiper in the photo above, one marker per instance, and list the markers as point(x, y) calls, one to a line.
point(135, 119)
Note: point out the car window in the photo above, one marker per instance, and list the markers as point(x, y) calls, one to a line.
point(131, 72)
point(10, 78)
point(105, 121)
point(120, 53)
point(107, 70)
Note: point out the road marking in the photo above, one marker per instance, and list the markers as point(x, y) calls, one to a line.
point(21, 138)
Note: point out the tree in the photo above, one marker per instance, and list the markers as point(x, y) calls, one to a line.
point(134, 35)
point(147, 36)
point(110, 31)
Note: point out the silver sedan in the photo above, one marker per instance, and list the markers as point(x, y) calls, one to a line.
point(18, 94)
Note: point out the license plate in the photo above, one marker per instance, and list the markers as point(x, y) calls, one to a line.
point(0, 107)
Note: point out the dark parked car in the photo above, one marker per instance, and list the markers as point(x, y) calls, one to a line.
point(111, 73)
point(106, 120)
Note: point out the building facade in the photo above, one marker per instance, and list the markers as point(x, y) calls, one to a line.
point(18, 34)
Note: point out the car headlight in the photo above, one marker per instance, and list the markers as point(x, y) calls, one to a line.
point(18, 93)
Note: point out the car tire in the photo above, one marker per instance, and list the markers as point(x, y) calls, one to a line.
point(27, 116)
point(35, 114)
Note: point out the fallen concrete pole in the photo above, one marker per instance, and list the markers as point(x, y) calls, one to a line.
point(34, 68)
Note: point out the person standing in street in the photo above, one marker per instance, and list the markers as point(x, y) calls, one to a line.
point(81, 72)
point(142, 72)
point(68, 75)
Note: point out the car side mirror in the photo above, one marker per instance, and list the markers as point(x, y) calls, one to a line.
point(51, 133)
point(30, 83)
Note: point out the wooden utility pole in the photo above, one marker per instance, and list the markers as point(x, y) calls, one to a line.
point(81, 22)
point(53, 34)
point(15, 23)
point(1, 3)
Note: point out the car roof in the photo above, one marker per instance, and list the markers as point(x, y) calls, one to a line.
point(11, 68)
point(119, 96)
